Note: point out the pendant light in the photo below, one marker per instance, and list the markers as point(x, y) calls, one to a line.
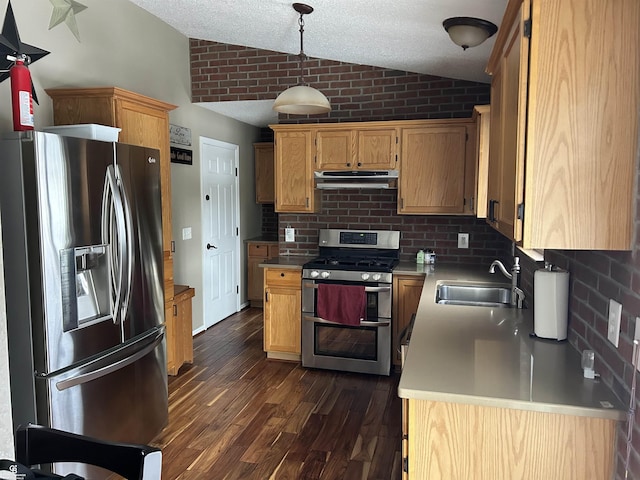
point(302, 99)
point(468, 31)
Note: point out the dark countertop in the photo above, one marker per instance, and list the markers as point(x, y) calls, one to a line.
point(263, 239)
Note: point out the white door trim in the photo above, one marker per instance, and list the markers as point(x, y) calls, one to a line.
point(203, 240)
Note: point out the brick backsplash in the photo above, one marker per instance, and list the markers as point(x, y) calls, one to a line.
point(269, 220)
point(222, 72)
point(369, 209)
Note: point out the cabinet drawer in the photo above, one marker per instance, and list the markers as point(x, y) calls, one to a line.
point(261, 249)
point(283, 277)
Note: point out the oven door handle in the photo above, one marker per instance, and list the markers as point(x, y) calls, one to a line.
point(362, 324)
point(366, 289)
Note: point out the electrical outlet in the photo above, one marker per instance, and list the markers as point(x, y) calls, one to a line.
point(613, 329)
point(289, 234)
point(636, 346)
point(463, 240)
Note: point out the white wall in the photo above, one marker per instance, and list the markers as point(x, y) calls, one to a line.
point(124, 46)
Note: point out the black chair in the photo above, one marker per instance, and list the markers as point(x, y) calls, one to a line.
point(37, 445)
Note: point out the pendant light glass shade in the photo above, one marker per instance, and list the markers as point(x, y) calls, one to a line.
point(467, 31)
point(302, 100)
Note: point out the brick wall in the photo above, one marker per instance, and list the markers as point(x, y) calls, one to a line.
point(369, 209)
point(269, 220)
point(221, 72)
point(596, 277)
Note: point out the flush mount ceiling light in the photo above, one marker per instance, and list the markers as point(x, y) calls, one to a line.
point(467, 31)
point(302, 99)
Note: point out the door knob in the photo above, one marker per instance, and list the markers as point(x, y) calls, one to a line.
point(209, 246)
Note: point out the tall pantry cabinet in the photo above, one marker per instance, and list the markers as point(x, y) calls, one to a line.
point(143, 121)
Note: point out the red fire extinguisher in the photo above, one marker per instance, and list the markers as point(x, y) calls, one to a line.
point(21, 99)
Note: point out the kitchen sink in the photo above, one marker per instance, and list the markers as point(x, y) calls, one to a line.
point(477, 295)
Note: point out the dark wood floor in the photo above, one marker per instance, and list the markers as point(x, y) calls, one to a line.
point(235, 415)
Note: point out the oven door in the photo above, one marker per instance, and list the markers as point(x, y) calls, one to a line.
point(364, 349)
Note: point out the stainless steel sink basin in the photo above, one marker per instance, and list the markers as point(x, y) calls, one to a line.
point(474, 295)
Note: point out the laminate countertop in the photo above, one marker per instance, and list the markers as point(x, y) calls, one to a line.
point(485, 356)
point(288, 261)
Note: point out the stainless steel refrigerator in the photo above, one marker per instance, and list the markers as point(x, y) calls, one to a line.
point(82, 241)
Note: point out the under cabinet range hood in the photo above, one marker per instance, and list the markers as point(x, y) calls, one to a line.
point(356, 179)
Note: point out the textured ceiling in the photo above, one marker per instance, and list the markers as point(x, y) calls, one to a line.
point(404, 35)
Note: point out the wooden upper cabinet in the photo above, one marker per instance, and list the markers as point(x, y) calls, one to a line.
point(569, 142)
point(356, 149)
point(265, 183)
point(481, 115)
point(294, 151)
point(432, 170)
point(508, 92)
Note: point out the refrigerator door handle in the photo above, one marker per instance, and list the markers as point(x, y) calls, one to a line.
point(110, 232)
point(127, 235)
point(148, 345)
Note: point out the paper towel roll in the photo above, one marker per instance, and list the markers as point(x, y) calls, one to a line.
point(551, 303)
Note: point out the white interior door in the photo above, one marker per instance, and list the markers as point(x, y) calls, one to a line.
point(220, 234)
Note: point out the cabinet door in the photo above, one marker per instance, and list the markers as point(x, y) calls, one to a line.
point(482, 115)
point(185, 323)
point(282, 319)
point(294, 175)
point(335, 150)
point(282, 310)
point(174, 345)
point(432, 170)
point(506, 152)
point(406, 296)
point(377, 149)
point(265, 185)
point(255, 285)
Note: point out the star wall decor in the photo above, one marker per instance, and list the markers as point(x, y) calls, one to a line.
point(66, 11)
point(10, 44)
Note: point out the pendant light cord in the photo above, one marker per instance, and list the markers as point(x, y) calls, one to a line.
point(301, 55)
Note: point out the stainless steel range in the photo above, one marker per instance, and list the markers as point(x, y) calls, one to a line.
point(353, 261)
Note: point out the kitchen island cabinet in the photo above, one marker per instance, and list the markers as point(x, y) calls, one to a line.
point(483, 400)
point(282, 312)
point(563, 147)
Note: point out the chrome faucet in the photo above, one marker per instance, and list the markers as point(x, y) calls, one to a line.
point(517, 295)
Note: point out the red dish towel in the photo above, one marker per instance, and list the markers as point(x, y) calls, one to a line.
point(346, 304)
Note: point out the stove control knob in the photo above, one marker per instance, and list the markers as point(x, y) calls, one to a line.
point(377, 276)
point(364, 276)
point(314, 273)
point(325, 274)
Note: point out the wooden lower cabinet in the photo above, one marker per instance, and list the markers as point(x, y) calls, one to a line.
point(180, 330)
point(455, 441)
point(282, 313)
point(406, 296)
point(257, 253)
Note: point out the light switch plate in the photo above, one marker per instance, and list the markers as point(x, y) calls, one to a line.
point(463, 240)
point(289, 234)
point(613, 329)
point(186, 233)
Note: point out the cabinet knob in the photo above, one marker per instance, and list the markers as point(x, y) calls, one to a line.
point(348, 164)
point(282, 274)
point(359, 164)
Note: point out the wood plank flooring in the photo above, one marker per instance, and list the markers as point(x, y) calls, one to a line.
point(233, 414)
